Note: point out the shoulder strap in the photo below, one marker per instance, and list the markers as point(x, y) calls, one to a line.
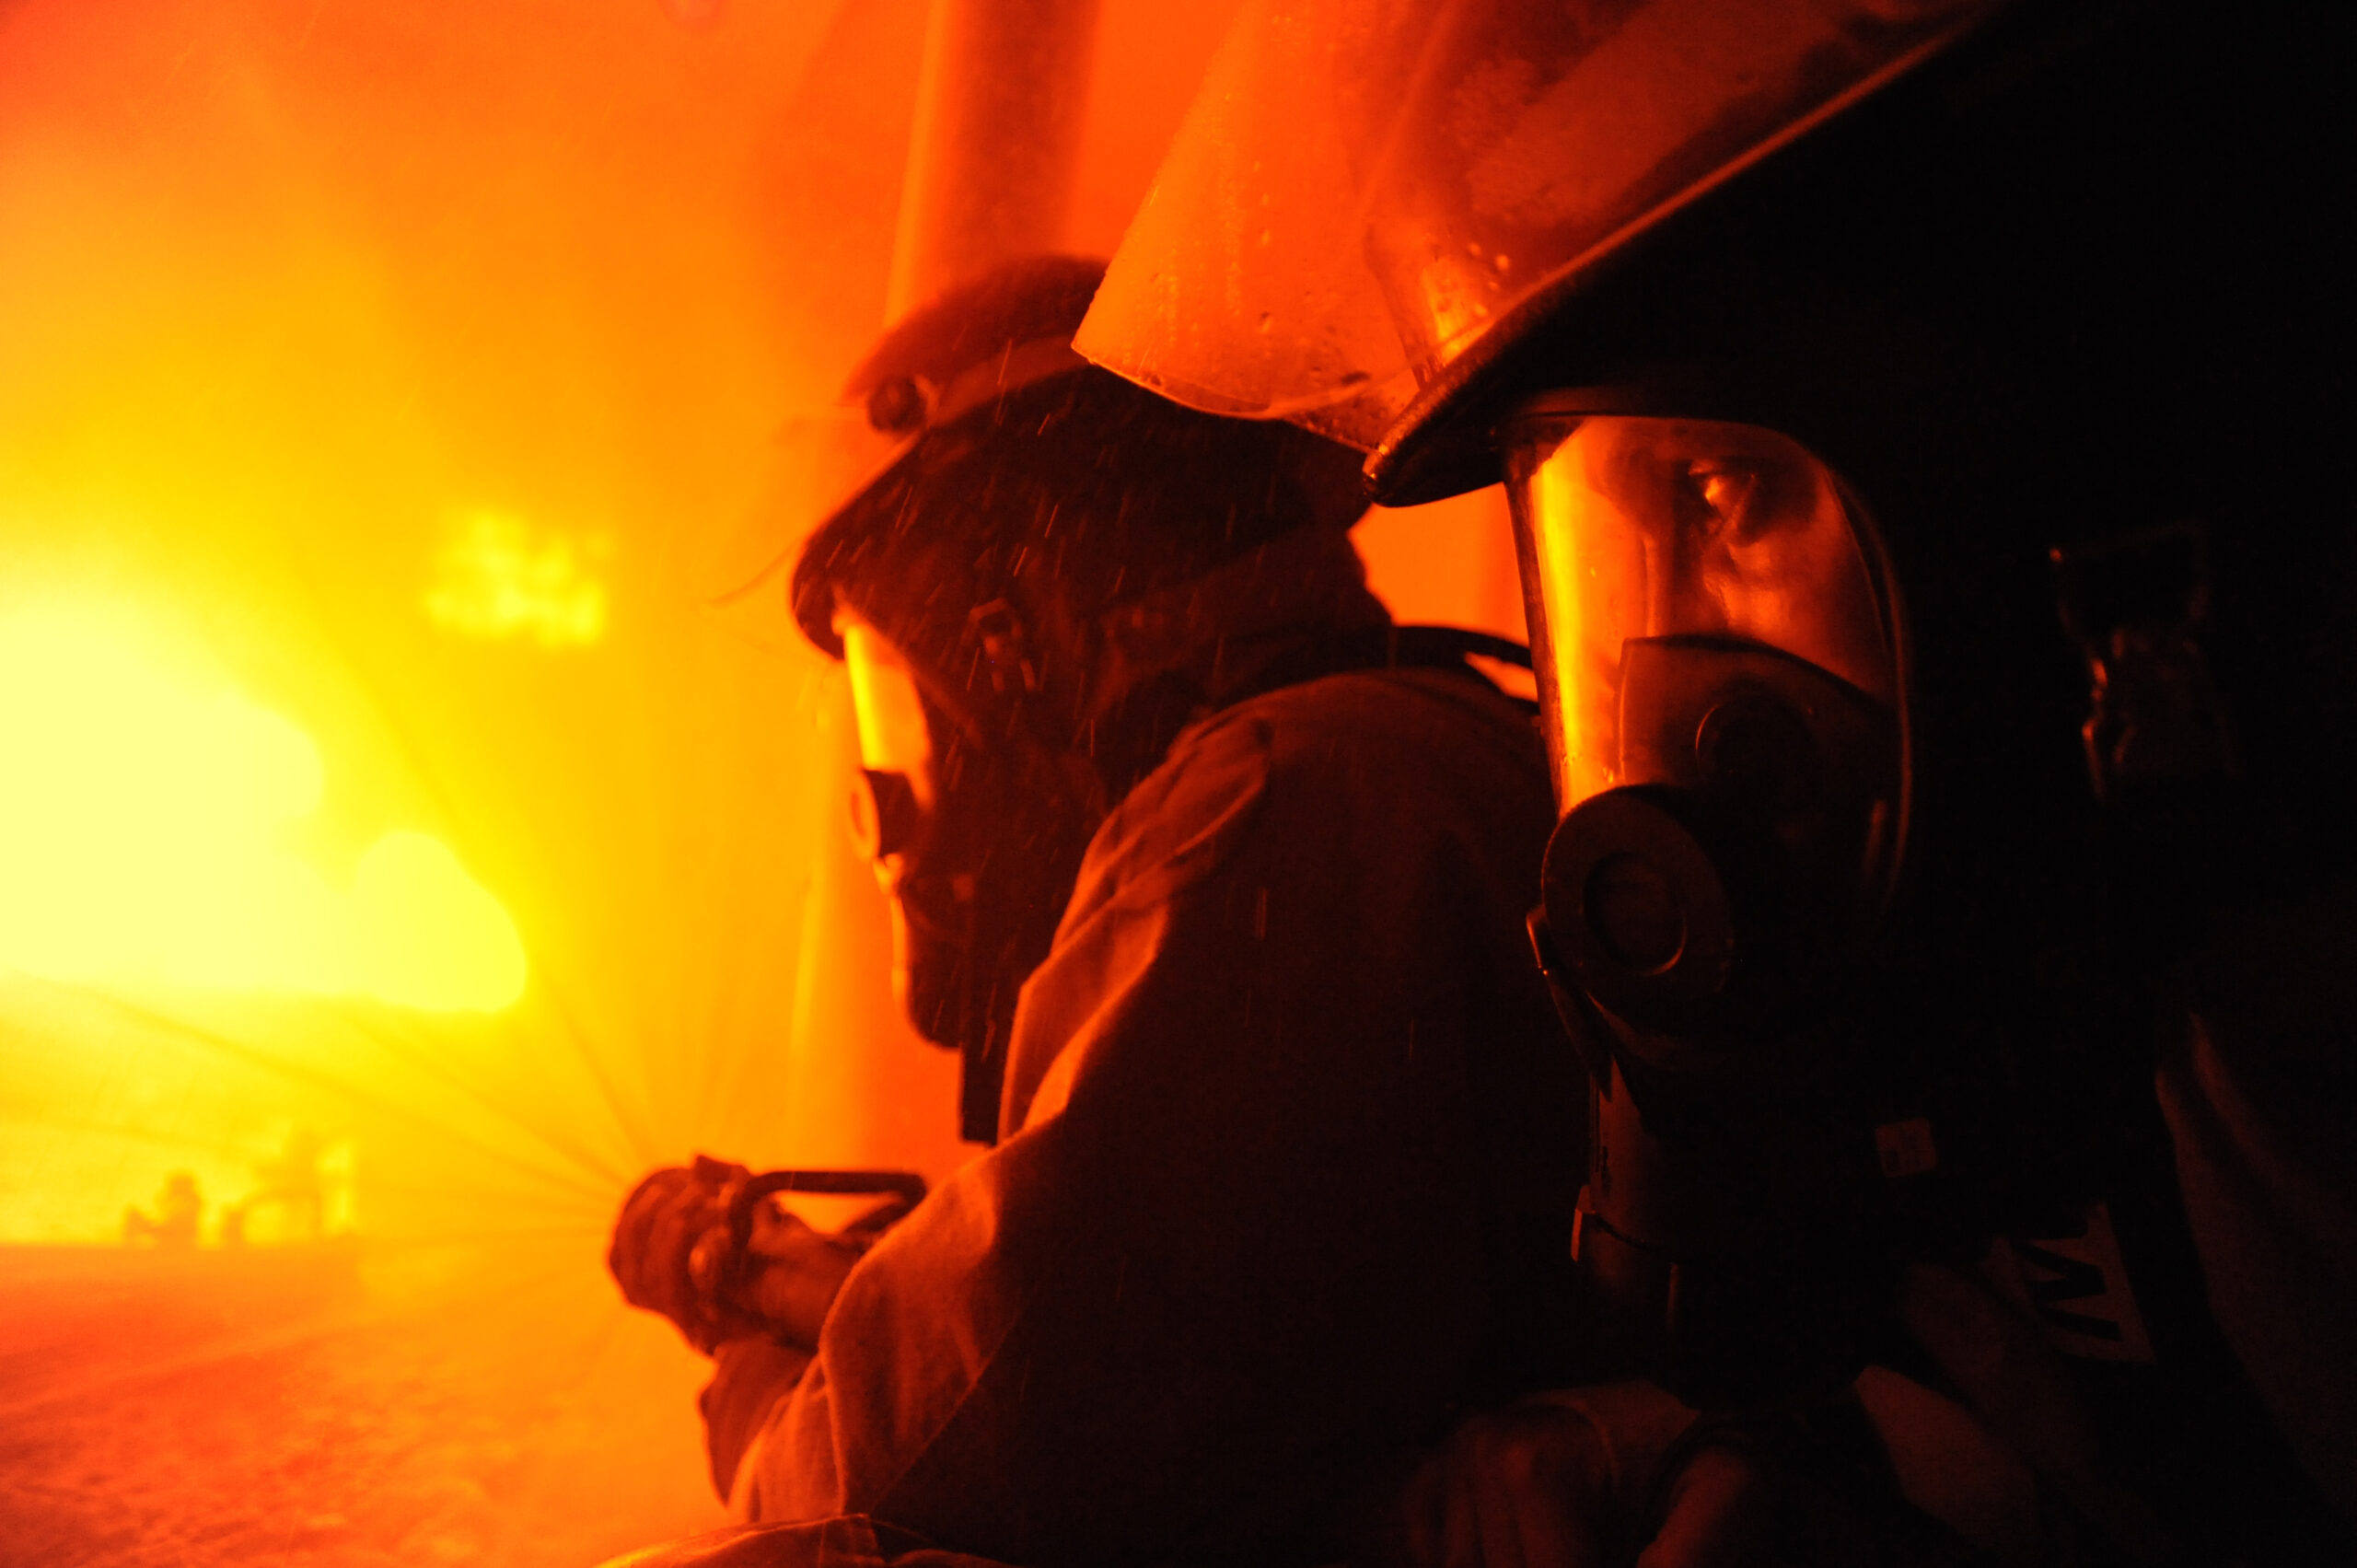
point(1390, 648)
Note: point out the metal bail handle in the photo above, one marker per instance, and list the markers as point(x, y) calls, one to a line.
point(906, 1185)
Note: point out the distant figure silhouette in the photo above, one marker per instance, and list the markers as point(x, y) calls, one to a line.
point(179, 1205)
point(292, 1184)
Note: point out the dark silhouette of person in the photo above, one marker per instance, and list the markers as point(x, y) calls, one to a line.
point(179, 1210)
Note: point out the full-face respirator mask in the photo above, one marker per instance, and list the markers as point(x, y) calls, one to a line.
point(975, 835)
point(1721, 672)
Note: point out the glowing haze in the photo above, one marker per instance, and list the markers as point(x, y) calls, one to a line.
point(144, 828)
point(499, 580)
point(377, 382)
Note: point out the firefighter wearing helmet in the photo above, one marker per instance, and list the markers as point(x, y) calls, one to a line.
point(1922, 423)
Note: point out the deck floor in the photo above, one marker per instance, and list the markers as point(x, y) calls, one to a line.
point(334, 1405)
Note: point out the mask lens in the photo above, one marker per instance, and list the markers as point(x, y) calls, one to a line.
point(884, 817)
point(1638, 529)
point(894, 734)
point(895, 791)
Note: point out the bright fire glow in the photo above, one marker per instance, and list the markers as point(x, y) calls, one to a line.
point(499, 579)
point(143, 839)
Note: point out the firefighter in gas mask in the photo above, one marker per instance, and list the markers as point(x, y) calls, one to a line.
point(1921, 424)
point(1217, 880)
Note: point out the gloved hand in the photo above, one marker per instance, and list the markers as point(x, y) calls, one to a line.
point(674, 1215)
point(1581, 1478)
point(792, 1272)
point(673, 1253)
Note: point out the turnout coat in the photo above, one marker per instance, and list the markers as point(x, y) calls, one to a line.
point(1291, 1142)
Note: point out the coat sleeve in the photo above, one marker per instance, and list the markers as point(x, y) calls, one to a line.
point(2260, 1095)
point(1246, 1237)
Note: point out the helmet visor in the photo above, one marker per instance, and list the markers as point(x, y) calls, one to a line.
point(1640, 534)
